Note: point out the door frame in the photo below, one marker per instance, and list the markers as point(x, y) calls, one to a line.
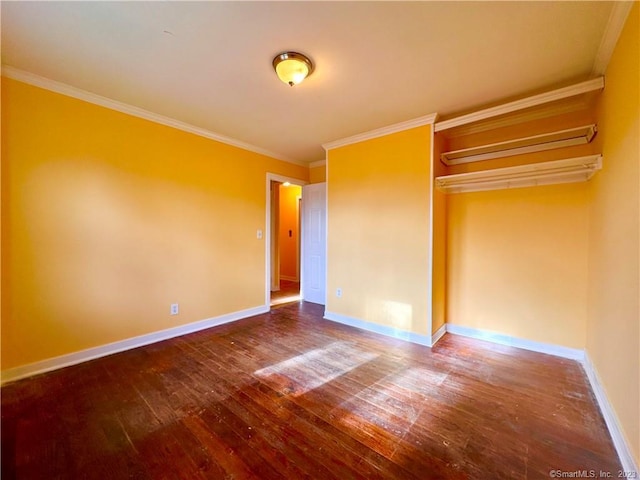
point(273, 177)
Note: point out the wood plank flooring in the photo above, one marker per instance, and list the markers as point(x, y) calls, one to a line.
point(289, 395)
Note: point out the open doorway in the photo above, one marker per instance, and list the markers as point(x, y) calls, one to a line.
point(283, 290)
point(310, 243)
point(285, 242)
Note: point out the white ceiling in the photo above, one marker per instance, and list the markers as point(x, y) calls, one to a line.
point(208, 64)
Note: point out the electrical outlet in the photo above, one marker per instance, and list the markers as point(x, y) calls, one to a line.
point(338, 292)
point(175, 309)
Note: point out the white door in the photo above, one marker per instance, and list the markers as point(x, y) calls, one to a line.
point(314, 242)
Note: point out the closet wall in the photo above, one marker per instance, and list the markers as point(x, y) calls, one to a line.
point(517, 258)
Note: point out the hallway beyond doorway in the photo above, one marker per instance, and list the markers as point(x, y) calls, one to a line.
point(289, 292)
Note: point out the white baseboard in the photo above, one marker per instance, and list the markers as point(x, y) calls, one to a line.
point(381, 329)
point(288, 278)
point(438, 334)
point(548, 348)
point(74, 358)
point(613, 424)
point(610, 418)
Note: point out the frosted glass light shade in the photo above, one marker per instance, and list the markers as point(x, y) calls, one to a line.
point(292, 67)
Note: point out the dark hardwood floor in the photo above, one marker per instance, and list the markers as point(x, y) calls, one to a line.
point(289, 395)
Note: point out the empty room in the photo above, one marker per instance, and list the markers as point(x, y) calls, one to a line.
point(325, 240)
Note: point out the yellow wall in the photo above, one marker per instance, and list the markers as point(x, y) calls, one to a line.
point(318, 174)
point(107, 219)
point(516, 259)
point(517, 262)
point(493, 243)
point(561, 264)
point(2, 211)
point(288, 245)
point(439, 256)
point(613, 328)
point(378, 235)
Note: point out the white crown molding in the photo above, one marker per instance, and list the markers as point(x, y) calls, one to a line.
point(319, 163)
point(535, 100)
point(381, 132)
point(550, 349)
point(62, 361)
point(615, 24)
point(380, 329)
point(611, 419)
point(77, 93)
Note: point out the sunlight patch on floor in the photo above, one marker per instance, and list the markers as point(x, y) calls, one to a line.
point(395, 402)
point(316, 367)
point(419, 380)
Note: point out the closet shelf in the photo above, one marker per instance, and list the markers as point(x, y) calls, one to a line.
point(570, 170)
point(535, 143)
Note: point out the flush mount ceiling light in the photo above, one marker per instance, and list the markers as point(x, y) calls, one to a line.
point(292, 67)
